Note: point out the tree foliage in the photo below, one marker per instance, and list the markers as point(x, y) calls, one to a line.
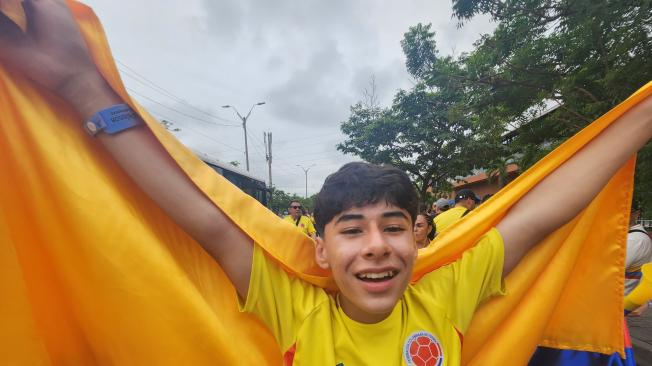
point(548, 69)
point(420, 50)
point(422, 133)
point(579, 57)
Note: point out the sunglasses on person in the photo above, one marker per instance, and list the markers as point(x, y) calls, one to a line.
point(295, 207)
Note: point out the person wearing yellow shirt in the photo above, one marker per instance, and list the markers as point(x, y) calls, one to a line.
point(364, 213)
point(299, 220)
point(465, 201)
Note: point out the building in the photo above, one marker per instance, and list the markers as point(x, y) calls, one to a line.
point(482, 185)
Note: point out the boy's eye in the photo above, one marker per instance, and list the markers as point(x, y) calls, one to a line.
point(393, 229)
point(351, 231)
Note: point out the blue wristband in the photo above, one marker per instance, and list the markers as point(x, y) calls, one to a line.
point(112, 120)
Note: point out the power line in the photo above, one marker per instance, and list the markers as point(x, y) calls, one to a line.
point(329, 144)
point(202, 134)
point(160, 89)
point(262, 154)
point(285, 160)
point(256, 138)
point(309, 137)
point(286, 169)
point(178, 111)
point(304, 155)
point(282, 167)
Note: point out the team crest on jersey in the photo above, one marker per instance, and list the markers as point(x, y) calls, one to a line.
point(423, 349)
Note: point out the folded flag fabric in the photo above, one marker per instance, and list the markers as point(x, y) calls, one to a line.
point(94, 273)
point(545, 356)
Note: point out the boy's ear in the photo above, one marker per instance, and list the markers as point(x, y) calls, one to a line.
point(320, 253)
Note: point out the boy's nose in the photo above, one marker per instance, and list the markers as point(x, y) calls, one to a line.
point(377, 245)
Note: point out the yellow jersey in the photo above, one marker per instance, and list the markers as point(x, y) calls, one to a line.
point(448, 217)
point(425, 327)
point(305, 224)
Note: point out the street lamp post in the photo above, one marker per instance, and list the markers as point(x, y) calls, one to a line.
point(305, 171)
point(244, 126)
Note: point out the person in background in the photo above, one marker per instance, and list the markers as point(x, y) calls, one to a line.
point(424, 232)
point(465, 201)
point(299, 220)
point(311, 216)
point(439, 206)
point(639, 252)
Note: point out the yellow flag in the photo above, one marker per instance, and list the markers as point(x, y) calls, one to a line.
point(92, 272)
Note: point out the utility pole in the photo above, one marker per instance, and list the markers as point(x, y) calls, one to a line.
point(267, 139)
point(305, 171)
point(244, 126)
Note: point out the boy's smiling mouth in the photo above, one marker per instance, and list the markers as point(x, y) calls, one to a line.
point(376, 276)
point(377, 280)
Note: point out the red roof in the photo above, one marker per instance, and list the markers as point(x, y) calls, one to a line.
point(511, 168)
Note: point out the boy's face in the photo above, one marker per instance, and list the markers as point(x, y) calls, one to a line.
point(371, 251)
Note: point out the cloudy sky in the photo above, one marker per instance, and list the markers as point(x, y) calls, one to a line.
point(308, 60)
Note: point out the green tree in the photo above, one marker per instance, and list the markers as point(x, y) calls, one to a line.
point(420, 50)
point(423, 132)
point(578, 57)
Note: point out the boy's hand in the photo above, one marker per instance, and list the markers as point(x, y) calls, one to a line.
point(53, 54)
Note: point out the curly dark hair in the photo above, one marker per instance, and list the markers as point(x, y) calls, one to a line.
point(359, 184)
point(429, 219)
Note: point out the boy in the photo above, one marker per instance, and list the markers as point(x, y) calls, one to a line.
point(367, 239)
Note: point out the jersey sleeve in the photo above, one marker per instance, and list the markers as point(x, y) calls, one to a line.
point(460, 287)
point(279, 300)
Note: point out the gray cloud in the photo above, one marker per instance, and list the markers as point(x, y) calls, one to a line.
point(310, 97)
point(308, 60)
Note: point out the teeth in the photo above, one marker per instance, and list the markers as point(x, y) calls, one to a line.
point(375, 276)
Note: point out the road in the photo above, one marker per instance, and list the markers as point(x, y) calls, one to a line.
point(641, 331)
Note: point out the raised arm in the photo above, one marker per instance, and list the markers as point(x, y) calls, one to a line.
point(53, 54)
point(569, 189)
